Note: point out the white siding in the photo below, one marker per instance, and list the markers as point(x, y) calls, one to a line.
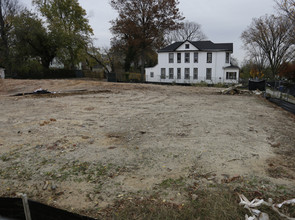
point(234, 70)
point(218, 64)
point(183, 48)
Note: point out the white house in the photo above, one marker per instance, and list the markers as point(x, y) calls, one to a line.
point(191, 62)
point(56, 64)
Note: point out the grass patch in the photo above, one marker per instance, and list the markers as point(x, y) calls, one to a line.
point(49, 168)
point(200, 84)
point(172, 183)
point(5, 157)
point(205, 84)
point(84, 171)
point(208, 205)
point(220, 85)
point(220, 201)
point(16, 171)
point(97, 188)
point(9, 156)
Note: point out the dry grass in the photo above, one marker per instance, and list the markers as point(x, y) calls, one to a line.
point(220, 202)
point(208, 205)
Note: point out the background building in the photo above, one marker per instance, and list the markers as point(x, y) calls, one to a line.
point(193, 62)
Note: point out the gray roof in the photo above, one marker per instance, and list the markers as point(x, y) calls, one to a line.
point(201, 45)
point(231, 67)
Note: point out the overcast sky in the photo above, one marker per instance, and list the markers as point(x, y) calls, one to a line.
point(222, 21)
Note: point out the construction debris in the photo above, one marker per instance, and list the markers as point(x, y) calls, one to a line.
point(236, 90)
point(41, 91)
point(258, 215)
point(231, 90)
point(35, 92)
point(257, 92)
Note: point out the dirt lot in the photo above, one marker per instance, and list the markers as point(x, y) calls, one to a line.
point(93, 142)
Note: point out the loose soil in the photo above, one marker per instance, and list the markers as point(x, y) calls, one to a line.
point(93, 143)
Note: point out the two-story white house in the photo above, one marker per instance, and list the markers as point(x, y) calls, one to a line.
point(191, 62)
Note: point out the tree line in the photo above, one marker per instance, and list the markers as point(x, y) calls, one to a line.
point(30, 41)
point(270, 44)
point(60, 31)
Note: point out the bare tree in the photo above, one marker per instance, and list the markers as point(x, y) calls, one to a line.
point(287, 8)
point(102, 57)
point(257, 56)
point(234, 61)
point(191, 31)
point(269, 36)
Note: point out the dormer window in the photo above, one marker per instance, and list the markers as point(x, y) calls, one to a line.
point(187, 46)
